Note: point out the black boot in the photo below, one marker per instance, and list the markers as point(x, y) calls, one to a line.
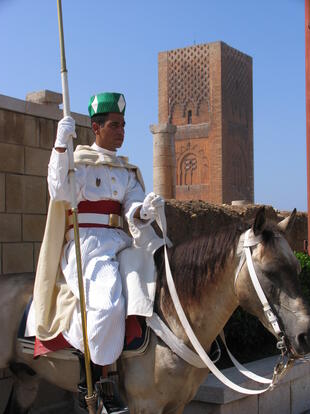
point(112, 403)
point(82, 393)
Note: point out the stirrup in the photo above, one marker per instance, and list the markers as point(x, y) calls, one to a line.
point(110, 404)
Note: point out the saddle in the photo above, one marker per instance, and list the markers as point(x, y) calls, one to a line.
point(137, 335)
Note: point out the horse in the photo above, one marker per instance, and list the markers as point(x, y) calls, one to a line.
point(159, 381)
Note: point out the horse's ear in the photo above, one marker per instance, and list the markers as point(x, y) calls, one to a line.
point(260, 220)
point(287, 224)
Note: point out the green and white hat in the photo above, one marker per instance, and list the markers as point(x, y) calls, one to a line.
point(106, 102)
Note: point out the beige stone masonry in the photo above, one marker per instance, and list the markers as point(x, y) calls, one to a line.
point(33, 227)
point(11, 158)
point(164, 164)
point(47, 132)
point(36, 161)
point(290, 396)
point(300, 392)
point(278, 398)
point(85, 136)
point(17, 128)
point(31, 131)
point(27, 134)
point(17, 258)
point(45, 97)
point(11, 127)
point(26, 194)
point(10, 228)
point(39, 110)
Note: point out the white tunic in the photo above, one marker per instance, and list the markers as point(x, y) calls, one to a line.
point(99, 246)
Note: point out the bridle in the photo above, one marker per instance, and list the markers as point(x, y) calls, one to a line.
point(247, 241)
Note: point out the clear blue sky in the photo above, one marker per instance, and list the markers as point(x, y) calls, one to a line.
point(114, 46)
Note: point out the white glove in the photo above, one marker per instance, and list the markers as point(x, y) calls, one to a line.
point(150, 204)
point(65, 130)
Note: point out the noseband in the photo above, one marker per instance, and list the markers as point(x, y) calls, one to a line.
point(247, 241)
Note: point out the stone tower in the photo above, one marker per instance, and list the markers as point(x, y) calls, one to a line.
point(206, 92)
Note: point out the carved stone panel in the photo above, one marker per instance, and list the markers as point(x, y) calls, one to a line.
point(192, 164)
point(237, 84)
point(188, 78)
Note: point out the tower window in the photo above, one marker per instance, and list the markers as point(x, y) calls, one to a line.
point(189, 117)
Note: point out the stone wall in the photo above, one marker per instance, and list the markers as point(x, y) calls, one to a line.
point(290, 396)
point(27, 134)
point(192, 218)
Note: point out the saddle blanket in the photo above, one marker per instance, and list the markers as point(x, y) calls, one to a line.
point(136, 340)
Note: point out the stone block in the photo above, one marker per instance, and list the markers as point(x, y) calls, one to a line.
point(11, 158)
point(31, 131)
point(5, 390)
point(17, 128)
point(47, 133)
point(200, 408)
point(35, 110)
point(33, 227)
point(90, 136)
point(300, 392)
point(10, 227)
point(25, 194)
point(84, 136)
point(17, 258)
point(36, 161)
point(277, 400)
point(12, 127)
point(45, 96)
point(244, 406)
point(2, 192)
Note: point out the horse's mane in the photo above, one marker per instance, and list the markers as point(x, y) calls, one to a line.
point(197, 261)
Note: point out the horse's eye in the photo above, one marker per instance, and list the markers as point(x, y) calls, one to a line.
point(271, 275)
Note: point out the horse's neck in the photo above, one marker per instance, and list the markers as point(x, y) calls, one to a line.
point(216, 305)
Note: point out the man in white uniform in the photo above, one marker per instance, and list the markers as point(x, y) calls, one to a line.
point(106, 190)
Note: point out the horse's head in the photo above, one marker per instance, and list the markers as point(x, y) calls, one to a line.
point(277, 270)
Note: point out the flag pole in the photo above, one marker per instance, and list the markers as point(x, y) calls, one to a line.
point(91, 397)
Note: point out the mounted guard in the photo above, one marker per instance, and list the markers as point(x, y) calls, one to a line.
point(107, 188)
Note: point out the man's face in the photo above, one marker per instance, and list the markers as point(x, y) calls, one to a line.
point(110, 135)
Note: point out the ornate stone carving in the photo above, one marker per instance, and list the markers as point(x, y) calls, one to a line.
point(188, 78)
point(192, 165)
point(237, 86)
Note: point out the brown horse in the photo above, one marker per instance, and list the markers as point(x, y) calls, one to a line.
point(160, 382)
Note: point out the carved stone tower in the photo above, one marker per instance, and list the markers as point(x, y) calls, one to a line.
point(206, 92)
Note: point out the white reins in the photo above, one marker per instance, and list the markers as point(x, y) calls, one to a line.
point(249, 241)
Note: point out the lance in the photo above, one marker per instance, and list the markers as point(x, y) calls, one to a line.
point(91, 397)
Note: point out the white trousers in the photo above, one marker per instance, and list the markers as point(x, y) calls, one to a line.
point(105, 303)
